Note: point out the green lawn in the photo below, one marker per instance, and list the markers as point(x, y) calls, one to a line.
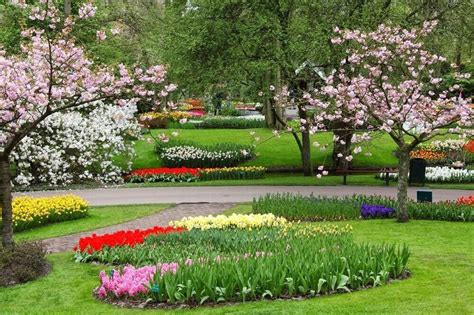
point(442, 265)
point(288, 179)
point(99, 217)
point(277, 152)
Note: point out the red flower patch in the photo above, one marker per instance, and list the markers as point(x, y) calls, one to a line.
point(165, 171)
point(466, 200)
point(130, 238)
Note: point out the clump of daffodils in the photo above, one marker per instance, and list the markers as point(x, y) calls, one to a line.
point(234, 221)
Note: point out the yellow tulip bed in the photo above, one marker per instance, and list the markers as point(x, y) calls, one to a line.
point(238, 221)
point(31, 212)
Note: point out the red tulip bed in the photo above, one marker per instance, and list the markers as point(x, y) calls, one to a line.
point(185, 174)
point(466, 200)
point(95, 243)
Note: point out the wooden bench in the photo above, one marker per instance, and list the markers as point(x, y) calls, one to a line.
point(361, 171)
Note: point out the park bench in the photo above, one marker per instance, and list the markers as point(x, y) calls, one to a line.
point(363, 171)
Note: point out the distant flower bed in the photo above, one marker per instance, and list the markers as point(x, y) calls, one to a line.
point(179, 153)
point(231, 123)
point(161, 119)
point(185, 174)
point(248, 172)
point(163, 174)
point(440, 174)
point(321, 208)
point(446, 152)
point(466, 200)
point(31, 212)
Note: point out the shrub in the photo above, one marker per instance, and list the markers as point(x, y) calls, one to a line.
point(231, 123)
point(163, 174)
point(241, 265)
point(23, 263)
point(31, 212)
point(249, 172)
point(178, 153)
point(320, 208)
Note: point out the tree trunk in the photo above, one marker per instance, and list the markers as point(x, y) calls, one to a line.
point(6, 195)
point(403, 169)
point(67, 7)
point(345, 149)
point(306, 154)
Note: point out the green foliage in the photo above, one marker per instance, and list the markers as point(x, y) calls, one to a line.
point(321, 208)
point(23, 263)
point(233, 173)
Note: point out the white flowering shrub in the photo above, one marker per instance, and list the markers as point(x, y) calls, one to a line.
point(77, 146)
point(441, 174)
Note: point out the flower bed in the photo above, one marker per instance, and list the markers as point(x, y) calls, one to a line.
point(130, 238)
point(320, 208)
point(441, 174)
point(376, 211)
point(31, 212)
point(231, 123)
point(185, 174)
point(249, 172)
point(466, 200)
point(234, 221)
point(219, 266)
point(163, 174)
point(161, 119)
point(186, 154)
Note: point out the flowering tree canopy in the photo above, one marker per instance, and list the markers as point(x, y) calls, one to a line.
point(388, 83)
point(52, 74)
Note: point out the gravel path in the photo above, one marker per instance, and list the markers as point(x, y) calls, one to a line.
point(222, 194)
point(66, 243)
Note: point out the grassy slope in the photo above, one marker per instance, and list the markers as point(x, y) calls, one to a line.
point(282, 152)
point(99, 217)
point(441, 263)
point(285, 179)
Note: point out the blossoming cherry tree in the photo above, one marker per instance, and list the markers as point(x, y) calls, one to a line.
point(53, 74)
point(388, 83)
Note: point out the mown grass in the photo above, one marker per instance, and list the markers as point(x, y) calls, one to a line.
point(274, 153)
point(442, 264)
point(98, 217)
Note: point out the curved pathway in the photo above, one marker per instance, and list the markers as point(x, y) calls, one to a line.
point(66, 243)
point(220, 194)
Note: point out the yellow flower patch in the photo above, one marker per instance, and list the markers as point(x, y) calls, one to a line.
point(238, 221)
point(30, 212)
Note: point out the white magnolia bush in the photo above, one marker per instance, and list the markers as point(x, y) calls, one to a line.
point(77, 146)
point(441, 174)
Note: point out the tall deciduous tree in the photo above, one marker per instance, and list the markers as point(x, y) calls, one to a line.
point(50, 75)
point(389, 81)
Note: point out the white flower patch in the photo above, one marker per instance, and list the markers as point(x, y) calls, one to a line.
point(442, 174)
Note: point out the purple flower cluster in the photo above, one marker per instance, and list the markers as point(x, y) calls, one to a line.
point(376, 211)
